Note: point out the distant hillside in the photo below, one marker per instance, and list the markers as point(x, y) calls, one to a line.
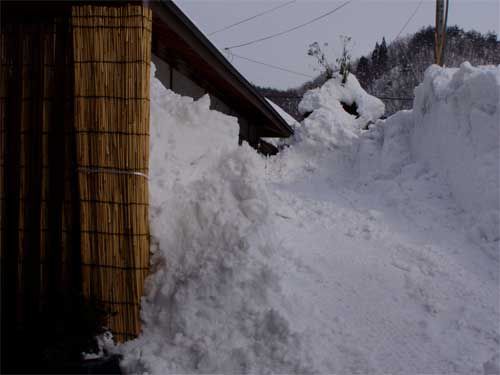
point(394, 70)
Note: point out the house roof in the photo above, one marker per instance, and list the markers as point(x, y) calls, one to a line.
point(179, 42)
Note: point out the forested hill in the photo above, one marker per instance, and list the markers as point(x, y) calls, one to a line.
point(393, 70)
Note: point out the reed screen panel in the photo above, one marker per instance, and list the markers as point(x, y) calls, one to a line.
point(112, 55)
point(74, 152)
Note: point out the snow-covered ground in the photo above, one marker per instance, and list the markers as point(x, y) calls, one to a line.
point(351, 251)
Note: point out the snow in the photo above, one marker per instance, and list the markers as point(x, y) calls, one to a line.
point(333, 92)
point(294, 124)
point(285, 116)
point(105, 345)
point(209, 305)
point(329, 135)
point(456, 119)
point(351, 251)
point(453, 129)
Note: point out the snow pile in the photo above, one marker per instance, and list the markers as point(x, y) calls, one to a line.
point(344, 253)
point(457, 131)
point(382, 270)
point(453, 129)
point(329, 135)
point(333, 93)
point(329, 125)
point(384, 149)
point(186, 138)
point(212, 302)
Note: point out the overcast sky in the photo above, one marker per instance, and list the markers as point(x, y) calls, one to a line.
point(366, 21)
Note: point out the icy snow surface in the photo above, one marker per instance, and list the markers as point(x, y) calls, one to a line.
point(349, 252)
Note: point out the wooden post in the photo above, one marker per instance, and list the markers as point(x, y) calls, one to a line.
point(440, 31)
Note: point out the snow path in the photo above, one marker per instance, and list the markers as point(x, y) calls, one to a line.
point(383, 277)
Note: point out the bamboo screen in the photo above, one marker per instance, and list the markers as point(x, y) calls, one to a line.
point(74, 145)
point(39, 259)
point(112, 54)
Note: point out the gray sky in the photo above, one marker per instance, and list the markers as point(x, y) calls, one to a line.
point(366, 21)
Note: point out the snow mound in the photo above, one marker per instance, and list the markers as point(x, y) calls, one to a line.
point(332, 94)
point(457, 131)
point(212, 302)
point(453, 129)
point(384, 149)
point(329, 135)
point(356, 262)
point(384, 214)
point(176, 123)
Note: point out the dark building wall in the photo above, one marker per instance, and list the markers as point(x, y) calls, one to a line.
point(176, 81)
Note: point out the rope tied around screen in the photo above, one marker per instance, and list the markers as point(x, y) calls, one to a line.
point(112, 171)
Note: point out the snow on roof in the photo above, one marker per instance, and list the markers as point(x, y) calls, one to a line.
point(288, 118)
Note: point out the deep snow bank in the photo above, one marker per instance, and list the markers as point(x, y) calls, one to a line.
point(404, 287)
point(457, 130)
point(453, 129)
point(212, 303)
point(365, 288)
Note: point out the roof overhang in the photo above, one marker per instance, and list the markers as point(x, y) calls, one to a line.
point(178, 41)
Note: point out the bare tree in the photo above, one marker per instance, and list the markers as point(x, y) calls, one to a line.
point(316, 52)
point(344, 61)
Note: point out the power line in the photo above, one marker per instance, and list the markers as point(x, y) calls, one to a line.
point(252, 17)
point(409, 19)
point(271, 66)
point(291, 29)
point(402, 29)
point(285, 96)
point(393, 98)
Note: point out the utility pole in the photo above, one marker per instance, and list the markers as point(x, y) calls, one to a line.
point(440, 31)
